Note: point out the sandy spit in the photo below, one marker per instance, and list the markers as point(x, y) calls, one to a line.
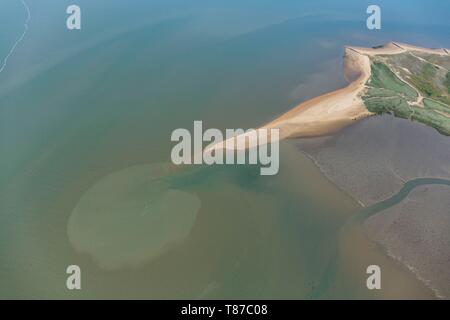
point(330, 112)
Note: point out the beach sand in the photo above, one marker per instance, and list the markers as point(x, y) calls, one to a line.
point(330, 112)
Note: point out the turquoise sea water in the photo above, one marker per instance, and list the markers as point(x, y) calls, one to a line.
point(79, 106)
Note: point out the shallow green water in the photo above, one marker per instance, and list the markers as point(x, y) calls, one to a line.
point(90, 105)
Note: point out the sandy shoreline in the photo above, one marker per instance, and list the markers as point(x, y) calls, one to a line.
point(330, 112)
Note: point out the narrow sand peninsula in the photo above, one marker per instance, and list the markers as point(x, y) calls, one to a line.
point(332, 111)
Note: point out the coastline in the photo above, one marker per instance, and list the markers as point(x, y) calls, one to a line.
point(328, 113)
point(408, 235)
point(372, 162)
point(324, 114)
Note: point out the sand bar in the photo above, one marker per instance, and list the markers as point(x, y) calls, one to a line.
point(330, 112)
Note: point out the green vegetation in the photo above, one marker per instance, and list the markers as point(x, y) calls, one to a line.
point(434, 105)
point(396, 82)
point(392, 105)
point(440, 60)
point(383, 77)
point(447, 81)
point(432, 119)
point(424, 80)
